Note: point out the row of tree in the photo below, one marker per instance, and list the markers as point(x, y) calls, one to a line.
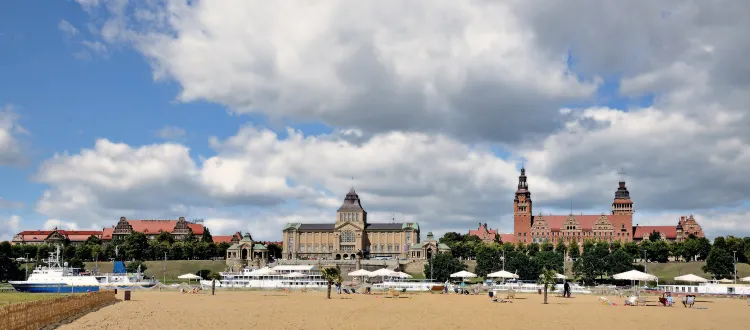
point(595, 261)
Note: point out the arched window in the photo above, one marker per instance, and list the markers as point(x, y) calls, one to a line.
point(347, 236)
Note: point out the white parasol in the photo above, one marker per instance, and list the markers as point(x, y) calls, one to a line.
point(502, 274)
point(382, 272)
point(690, 278)
point(360, 272)
point(464, 274)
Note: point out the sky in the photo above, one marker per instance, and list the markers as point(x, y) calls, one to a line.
point(252, 114)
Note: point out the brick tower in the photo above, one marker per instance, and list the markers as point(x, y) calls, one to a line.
point(622, 213)
point(522, 211)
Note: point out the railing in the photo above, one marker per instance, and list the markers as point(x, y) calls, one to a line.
point(42, 313)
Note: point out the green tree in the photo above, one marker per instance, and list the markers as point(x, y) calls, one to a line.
point(274, 250)
point(442, 266)
point(632, 249)
point(532, 249)
point(206, 236)
point(677, 250)
point(451, 238)
point(221, 249)
point(132, 267)
point(561, 248)
point(658, 251)
point(738, 245)
point(720, 243)
point(614, 246)
point(520, 247)
point(331, 275)
point(705, 248)
point(190, 237)
point(719, 263)
point(76, 263)
point(204, 273)
point(165, 237)
point(135, 245)
point(547, 280)
point(550, 260)
point(177, 251)
point(6, 249)
point(574, 251)
point(9, 269)
point(83, 252)
point(525, 267)
point(654, 236)
point(497, 239)
point(93, 240)
point(546, 246)
point(488, 259)
point(158, 248)
point(619, 261)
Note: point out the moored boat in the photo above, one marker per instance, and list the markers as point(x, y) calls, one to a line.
point(56, 278)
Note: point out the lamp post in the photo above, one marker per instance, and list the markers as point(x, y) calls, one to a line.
point(503, 258)
point(27, 266)
point(645, 262)
point(165, 268)
point(432, 261)
point(734, 256)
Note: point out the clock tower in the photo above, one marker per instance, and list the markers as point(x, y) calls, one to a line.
point(522, 219)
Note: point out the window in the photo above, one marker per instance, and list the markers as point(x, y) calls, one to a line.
point(315, 248)
point(347, 236)
point(390, 248)
point(291, 242)
point(341, 217)
point(408, 237)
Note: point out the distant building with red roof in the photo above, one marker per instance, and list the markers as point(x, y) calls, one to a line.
point(615, 226)
point(229, 239)
point(56, 235)
point(484, 233)
point(178, 228)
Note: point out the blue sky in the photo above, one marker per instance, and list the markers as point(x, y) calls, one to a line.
point(68, 95)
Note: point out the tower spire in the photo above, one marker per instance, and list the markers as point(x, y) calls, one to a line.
point(621, 173)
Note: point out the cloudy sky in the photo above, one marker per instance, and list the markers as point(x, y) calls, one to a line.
point(251, 114)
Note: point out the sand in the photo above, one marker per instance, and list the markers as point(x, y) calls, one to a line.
point(271, 310)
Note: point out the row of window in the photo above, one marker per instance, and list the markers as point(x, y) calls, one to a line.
point(349, 216)
point(348, 248)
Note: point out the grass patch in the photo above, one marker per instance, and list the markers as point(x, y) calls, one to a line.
point(174, 268)
point(19, 297)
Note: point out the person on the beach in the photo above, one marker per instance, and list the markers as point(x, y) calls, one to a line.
point(566, 289)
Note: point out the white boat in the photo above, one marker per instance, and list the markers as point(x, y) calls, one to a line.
point(711, 287)
point(121, 279)
point(56, 278)
point(283, 276)
point(409, 284)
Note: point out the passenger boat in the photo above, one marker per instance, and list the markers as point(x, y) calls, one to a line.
point(121, 279)
point(282, 276)
point(56, 278)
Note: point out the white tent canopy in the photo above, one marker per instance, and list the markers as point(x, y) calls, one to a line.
point(295, 275)
point(690, 278)
point(189, 277)
point(725, 280)
point(402, 275)
point(502, 274)
point(464, 274)
point(745, 279)
point(360, 272)
point(635, 275)
point(382, 272)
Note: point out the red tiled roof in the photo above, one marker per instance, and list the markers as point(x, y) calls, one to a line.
point(73, 235)
point(586, 222)
point(644, 231)
point(508, 238)
point(480, 232)
point(156, 226)
point(107, 233)
point(226, 239)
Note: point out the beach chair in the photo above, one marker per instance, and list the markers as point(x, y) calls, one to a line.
point(395, 293)
point(689, 301)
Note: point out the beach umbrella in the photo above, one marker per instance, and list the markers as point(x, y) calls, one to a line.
point(382, 272)
point(635, 275)
point(745, 279)
point(725, 280)
point(402, 275)
point(690, 278)
point(464, 274)
point(189, 277)
point(360, 272)
point(502, 274)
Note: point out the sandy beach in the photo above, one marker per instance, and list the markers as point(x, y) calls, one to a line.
point(275, 310)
